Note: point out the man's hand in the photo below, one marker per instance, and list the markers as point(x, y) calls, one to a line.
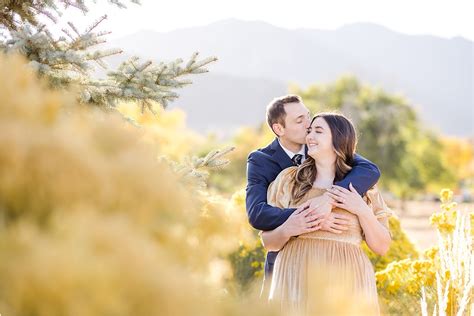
point(302, 221)
point(321, 204)
point(335, 223)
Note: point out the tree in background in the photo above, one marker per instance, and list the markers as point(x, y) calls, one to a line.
point(412, 158)
point(459, 154)
point(69, 60)
point(390, 134)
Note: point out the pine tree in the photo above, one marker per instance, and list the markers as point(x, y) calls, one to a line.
point(70, 59)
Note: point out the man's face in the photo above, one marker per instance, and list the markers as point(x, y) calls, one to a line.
point(297, 122)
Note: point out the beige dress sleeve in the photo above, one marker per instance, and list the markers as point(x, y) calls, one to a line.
point(279, 191)
point(374, 199)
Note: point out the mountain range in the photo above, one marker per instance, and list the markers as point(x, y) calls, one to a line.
point(257, 61)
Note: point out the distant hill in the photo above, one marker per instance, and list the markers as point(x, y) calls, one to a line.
point(258, 60)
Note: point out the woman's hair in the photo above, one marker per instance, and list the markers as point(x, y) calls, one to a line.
point(344, 141)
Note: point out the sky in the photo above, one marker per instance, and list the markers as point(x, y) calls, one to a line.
point(422, 17)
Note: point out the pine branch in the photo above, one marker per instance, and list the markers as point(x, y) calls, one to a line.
point(145, 82)
point(14, 13)
point(73, 27)
point(70, 59)
point(197, 169)
point(95, 24)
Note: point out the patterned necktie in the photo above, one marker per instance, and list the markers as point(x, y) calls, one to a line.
point(297, 159)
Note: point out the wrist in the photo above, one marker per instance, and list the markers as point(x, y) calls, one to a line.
point(284, 231)
point(364, 212)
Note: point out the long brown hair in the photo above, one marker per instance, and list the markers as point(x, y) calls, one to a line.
point(344, 141)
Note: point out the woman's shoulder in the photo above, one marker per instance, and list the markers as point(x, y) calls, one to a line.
point(288, 173)
point(284, 179)
point(279, 191)
point(375, 199)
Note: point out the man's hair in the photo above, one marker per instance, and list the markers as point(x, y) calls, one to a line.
point(276, 109)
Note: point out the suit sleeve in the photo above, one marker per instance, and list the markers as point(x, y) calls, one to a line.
point(262, 216)
point(363, 176)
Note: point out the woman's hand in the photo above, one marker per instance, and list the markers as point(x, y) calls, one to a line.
point(319, 204)
point(349, 200)
point(335, 223)
point(301, 222)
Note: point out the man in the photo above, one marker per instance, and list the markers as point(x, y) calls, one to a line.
point(289, 119)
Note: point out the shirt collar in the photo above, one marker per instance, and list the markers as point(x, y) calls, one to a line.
point(290, 153)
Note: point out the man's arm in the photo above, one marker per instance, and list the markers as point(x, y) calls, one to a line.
point(261, 215)
point(363, 176)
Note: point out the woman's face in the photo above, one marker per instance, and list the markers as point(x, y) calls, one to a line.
point(319, 139)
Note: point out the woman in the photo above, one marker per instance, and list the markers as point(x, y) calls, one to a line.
point(331, 142)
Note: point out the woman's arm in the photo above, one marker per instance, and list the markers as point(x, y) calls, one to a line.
point(375, 230)
point(274, 240)
point(377, 236)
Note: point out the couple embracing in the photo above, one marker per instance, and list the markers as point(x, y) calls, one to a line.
point(314, 200)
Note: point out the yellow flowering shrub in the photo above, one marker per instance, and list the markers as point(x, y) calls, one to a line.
point(445, 221)
point(440, 278)
point(400, 248)
point(248, 260)
point(166, 130)
point(92, 223)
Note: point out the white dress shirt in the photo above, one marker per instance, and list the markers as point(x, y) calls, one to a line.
point(291, 154)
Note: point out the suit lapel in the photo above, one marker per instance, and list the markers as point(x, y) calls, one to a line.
point(280, 156)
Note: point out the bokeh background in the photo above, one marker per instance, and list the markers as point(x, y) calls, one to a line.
point(122, 185)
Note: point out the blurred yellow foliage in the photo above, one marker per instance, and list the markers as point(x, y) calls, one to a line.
point(93, 224)
point(166, 130)
point(459, 154)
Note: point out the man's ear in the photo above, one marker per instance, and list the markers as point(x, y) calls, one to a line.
point(278, 129)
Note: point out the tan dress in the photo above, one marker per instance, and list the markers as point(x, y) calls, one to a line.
point(320, 250)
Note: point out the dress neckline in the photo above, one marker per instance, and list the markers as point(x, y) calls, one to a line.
point(319, 189)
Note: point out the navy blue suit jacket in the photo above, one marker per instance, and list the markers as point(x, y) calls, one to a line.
point(263, 166)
